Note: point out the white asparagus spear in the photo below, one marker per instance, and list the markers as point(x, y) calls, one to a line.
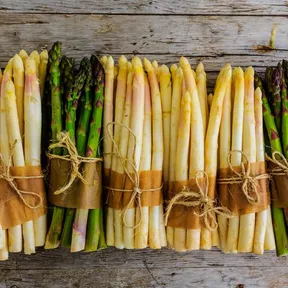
point(261, 217)
point(211, 139)
point(236, 144)
point(14, 233)
point(202, 93)
point(35, 55)
point(32, 129)
point(224, 149)
point(134, 149)
point(141, 235)
point(182, 156)
point(157, 151)
point(196, 159)
point(17, 155)
point(4, 254)
point(247, 221)
point(269, 243)
point(177, 78)
point(23, 54)
point(123, 147)
point(43, 70)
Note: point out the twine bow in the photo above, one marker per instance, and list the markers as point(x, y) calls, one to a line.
point(281, 168)
point(199, 199)
point(136, 190)
point(248, 181)
point(64, 141)
point(5, 175)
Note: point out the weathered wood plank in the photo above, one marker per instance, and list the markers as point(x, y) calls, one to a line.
point(146, 277)
point(112, 258)
point(177, 35)
point(211, 7)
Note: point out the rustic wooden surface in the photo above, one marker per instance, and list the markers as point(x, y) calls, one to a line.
point(212, 31)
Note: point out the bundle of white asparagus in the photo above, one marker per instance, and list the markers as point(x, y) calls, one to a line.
point(133, 153)
point(193, 148)
point(20, 147)
point(241, 141)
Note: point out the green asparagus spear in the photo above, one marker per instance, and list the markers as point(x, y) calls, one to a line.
point(74, 89)
point(53, 236)
point(284, 98)
point(276, 95)
point(275, 143)
point(95, 228)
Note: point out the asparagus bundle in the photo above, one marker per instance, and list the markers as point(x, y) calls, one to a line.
point(245, 232)
point(274, 95)
point(21, 103)
point(137, 157)
point(76, 94)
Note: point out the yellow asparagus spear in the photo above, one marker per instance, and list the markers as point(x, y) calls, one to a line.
point(23, 54)
point(35, 55)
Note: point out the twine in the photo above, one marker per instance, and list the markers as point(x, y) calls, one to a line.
point(199, 199)
point(136, 190)
point(249, 182)
point(5, 175)
point(64, 141)
point(281, 168)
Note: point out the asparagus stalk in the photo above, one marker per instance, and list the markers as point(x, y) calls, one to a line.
point(275, 143)
point(23, 54)
point(276, 95)
point(261, 217)
point(81, 216)
point(224, 149)
point(157, 151)
point(95, 216)
point(43, 70)
point(177, 79)
point(247, 221)
point(18, 155)
point(236, 144)
point(32, 144)
point(35, 55)
point(134, 154)
point(141, 234)
point(18, 76)
point(4, 254)
point(54, 233)
point(71, 105)
point(211, 140)
point(14, 233)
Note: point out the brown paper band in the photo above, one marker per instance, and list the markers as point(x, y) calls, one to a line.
point(75, 160)
point(279, 173)
point(120, 190)
point(231, 194)
point(79, 195)
point(192, 202)
point(29, 182)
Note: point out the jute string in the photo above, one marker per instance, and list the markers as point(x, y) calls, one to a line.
point(136, 190)
point(248, 181)
point(64, 141)
point(5, 175)
point(199, 199)
point(281, 168)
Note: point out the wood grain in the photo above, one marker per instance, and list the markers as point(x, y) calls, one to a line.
point(146, 268)
point(197, 36)
point(185, 7)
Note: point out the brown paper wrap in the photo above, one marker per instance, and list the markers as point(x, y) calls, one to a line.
point(148, 180)
point(12, 209)
point(78, 195)
point(232, 196)
point(280, 191)
point(182, 216)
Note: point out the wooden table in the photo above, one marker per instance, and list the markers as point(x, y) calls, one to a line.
point(215, 32)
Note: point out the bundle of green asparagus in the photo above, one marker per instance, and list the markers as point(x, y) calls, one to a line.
point(274, 95)
point(133, 154)
point(242, 145)
point(76, 98)
point(24, 211)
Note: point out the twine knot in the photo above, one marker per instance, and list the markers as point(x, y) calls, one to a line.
point(64, 141)
point(199, 199)
point(249, 182)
